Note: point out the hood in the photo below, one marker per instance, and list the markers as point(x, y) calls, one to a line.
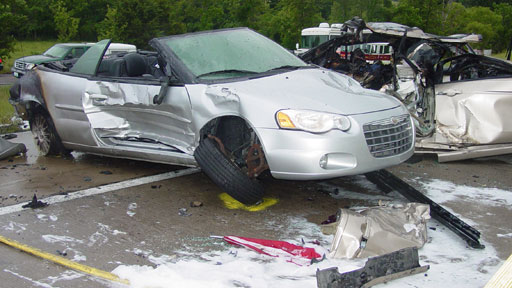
point(37, 59)
point(314, 89)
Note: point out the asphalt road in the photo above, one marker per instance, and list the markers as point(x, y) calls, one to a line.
point(105, 230)
point(7, 79)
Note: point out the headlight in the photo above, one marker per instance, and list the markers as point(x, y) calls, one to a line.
point(311, 121)
point(29, 66)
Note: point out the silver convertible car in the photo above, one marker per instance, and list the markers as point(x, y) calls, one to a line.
point(231, 101)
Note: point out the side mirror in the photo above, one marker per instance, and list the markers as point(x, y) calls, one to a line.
point(296, 46)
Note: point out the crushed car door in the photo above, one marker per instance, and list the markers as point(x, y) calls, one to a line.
point(124, 114)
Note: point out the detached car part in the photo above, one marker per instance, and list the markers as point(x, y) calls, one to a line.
point(377, 270)
point(379, 230)
point(8, 149)
point(388, 182)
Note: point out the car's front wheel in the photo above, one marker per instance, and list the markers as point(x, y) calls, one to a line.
point(45, 136)
point(226, 174)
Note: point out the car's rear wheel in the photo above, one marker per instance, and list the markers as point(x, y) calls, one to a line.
point(226, 174)
point(45, 136)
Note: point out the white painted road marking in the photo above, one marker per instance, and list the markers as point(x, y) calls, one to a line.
point(103, 189)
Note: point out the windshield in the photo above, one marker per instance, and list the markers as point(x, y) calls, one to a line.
point(312, 41)
point(230, 53)
point(56, 51)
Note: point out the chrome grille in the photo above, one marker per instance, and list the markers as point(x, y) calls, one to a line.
point(19, 65)
point(388, 137)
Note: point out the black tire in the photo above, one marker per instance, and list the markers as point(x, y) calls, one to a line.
point(226, 174)
point(45, 136)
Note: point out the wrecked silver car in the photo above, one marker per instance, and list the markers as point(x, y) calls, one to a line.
point(458, 99)
point(231, 101)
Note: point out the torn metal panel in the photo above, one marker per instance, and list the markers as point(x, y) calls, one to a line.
point(223, 97)
point(395, 29)
point(447, 153)
point(387, 182)
point(376, 270)
point(8, 149)
point(124, 113)
point(379, 230)
point(26, 90)
point(475, 112)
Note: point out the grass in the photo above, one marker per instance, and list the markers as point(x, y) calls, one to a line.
point(26, 48)
point(500, 55)
point(6, 111)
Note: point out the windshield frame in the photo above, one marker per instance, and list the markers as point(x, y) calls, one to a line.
point(188, 77)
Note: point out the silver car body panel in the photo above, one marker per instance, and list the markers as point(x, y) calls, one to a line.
point(471, 120)
point(475, 112)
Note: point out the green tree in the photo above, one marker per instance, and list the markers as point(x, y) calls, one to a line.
point(429, 13)
point(90, 13)
point(482, 20)
point(454, 19)
point(505, 10)
point(10, 22)
point(112, 27)
point(65, 24)
point(407, 15)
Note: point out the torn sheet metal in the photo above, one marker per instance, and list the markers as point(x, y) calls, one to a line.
point(123, 114)
point(475, 112)
point(8, 149)
point(377, 270)
point(25, 90)
point(447, 153)
point(388, 182)
point(379, 230)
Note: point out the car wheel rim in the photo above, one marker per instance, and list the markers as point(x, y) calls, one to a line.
point(42, 135)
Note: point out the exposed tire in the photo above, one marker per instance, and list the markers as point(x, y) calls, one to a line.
point(226, 174)
point(45, 136)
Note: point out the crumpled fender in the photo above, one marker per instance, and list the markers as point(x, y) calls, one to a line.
point(25, 90)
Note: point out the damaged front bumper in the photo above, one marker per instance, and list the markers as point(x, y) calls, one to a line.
point(337, 153)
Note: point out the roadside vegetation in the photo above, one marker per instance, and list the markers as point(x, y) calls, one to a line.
point(6, 112)
point(136, 22)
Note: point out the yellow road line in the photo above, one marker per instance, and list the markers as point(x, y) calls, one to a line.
point(63, 261)
point(502, 278)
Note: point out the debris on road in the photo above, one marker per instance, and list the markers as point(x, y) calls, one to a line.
point(387, 182)
point(274, 248)
point(378, 230)
point(34, 204)
point(377, 270)
point(8, 149)
point(106, 172)
point(232, 203)
point(183, 212)
point(196, 204)
point(63, 261)
point(9, 136)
